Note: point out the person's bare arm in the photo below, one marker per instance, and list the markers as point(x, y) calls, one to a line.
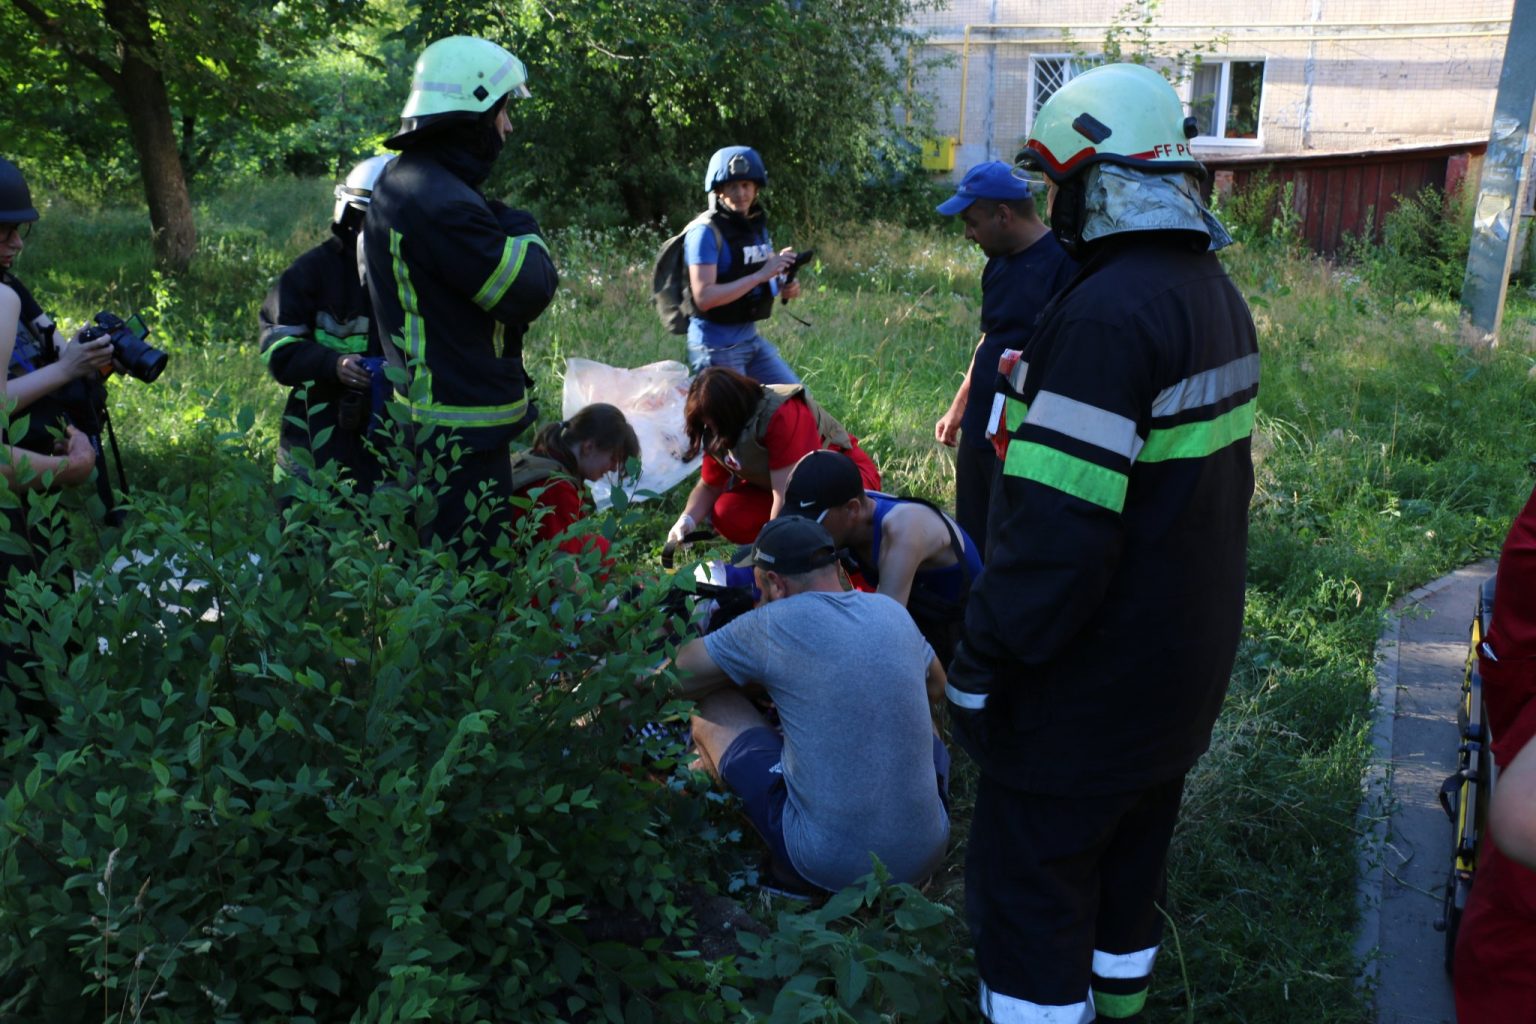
point(778, 479)
point(77, 359)
point(697, 672)
point(910, 536)
point(70, 467)
point(935, 682)
point(947, 430)
point(1513, 814)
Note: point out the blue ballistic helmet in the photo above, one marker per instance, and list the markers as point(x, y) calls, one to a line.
point(735, 163)
point(16, 199)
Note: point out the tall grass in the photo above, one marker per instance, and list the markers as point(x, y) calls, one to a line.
point(1385, 456)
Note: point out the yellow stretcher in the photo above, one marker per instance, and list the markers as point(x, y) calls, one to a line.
point(1466, 794)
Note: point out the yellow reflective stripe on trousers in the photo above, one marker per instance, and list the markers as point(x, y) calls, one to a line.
point(1201, 438)
point(1030, 460)
point(512, 255)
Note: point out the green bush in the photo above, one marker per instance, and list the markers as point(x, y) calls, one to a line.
point(1262, 214)
point(1422, 253)
point(304, 769)
point(333, 778)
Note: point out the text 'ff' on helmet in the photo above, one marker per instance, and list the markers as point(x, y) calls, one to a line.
point(357, 191)
point(1120, 113)
point(460, 77)
point(735, 163)
point(15, 198)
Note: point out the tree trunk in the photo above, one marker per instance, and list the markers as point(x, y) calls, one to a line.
point(142, 93)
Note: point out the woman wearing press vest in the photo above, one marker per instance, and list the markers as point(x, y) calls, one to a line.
point(752, 435)
point(596, 441)
point(732, 270)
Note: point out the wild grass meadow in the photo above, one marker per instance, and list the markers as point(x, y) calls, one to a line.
point(1386, 455)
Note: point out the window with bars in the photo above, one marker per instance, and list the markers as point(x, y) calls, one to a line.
point(1225, 97)
point(1047, 73)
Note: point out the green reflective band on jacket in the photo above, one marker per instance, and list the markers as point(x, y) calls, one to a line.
point(469, 415)
point(506, 271)
point(1118, 1007)
point(1029, 460)
point(278, 337)
point(1197, 440)
point(412, 339)
point(357, 344)
point(413, 336)
point(1014, 413)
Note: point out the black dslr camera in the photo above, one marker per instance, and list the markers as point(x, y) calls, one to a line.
point(129, 349)
point(83, 401)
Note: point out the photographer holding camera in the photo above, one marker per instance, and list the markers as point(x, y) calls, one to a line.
point(317, 338)
point(732, 270)
point(36, 371)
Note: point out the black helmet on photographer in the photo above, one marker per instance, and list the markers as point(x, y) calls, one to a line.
point(15, 198)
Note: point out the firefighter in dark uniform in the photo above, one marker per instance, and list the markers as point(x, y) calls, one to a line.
point(315, 338)
point(1100, 637)
point(456, 280)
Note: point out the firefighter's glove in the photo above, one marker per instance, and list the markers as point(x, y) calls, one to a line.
point(966, 693)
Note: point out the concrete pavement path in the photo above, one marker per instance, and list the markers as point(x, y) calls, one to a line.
point(1407, 853)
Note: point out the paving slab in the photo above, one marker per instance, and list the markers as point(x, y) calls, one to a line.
point(1406, 854)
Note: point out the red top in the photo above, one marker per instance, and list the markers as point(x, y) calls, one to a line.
point(1510, 683)
point(558, 506)
point(791, 435)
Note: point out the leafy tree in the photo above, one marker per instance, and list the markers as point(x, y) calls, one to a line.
point(169, 67)
point(629, 99)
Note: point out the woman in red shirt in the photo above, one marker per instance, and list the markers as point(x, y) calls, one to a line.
point(752, 435)
point(547, 477)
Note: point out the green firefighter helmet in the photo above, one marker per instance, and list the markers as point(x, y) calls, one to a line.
point(459, 78)
point(1118, 113)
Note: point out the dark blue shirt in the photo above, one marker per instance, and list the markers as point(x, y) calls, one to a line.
point(1014, 289)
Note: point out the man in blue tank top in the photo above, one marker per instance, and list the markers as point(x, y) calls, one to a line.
point(904, 547)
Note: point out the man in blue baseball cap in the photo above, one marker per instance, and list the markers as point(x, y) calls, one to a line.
point(1026, 267)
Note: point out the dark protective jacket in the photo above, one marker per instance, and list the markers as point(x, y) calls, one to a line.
point(1100, 636)
point(456, 281)
point(746, 236)
point(753, 459)
point(316, 313)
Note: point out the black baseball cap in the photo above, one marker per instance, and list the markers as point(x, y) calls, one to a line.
point(820, 481)
point(791, 545)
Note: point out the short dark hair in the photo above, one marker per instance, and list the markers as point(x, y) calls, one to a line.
point(725, 396)
point(1024, 207)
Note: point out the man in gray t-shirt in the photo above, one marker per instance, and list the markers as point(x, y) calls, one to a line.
point(858, 769)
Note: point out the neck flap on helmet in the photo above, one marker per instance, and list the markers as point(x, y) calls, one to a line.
point(1116, 199)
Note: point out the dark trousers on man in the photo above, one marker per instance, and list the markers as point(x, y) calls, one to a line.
point(1062, 895)
point(974, 469)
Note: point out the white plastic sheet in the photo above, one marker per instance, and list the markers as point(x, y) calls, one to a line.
point(652, 398)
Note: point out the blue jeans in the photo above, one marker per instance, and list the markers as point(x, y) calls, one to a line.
point(756, 357)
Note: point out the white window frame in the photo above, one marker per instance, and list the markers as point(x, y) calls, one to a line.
point(1223, 100)
point(1075, 65)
